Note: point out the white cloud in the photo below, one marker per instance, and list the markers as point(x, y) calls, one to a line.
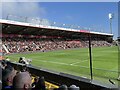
point(16, 10)
point(26, 9)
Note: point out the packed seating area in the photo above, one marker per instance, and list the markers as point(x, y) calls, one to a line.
point(15, 79)
point(17, 45)
point(98, 43)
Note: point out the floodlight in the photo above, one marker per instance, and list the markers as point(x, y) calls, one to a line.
point(110, 15)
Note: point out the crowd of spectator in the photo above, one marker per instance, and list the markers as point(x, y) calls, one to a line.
point(96, 43)
point(13, 79)
point(16, 45)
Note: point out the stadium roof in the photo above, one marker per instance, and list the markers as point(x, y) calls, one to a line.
point(15, 27)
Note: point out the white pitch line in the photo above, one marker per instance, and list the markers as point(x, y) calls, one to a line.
point(74, 63)
point(36, 59)
point(78, 62)
point(62, 63)
point(54, 62)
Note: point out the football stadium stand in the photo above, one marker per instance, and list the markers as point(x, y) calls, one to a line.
point(19, 37)
point(16, 45)
point(22, 37)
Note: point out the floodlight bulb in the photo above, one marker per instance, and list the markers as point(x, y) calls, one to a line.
point(110, 15)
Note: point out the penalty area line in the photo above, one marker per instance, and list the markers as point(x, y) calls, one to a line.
point(60, 63)
point(78, 62)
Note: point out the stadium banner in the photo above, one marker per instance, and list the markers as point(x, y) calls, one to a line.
point(84, 31)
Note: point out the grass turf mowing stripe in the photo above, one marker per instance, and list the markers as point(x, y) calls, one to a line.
point(105, 60)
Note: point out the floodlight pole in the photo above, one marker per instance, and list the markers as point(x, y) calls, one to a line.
point(90, 55)
point(111, 25)
point(111, 15)
point(7, 17)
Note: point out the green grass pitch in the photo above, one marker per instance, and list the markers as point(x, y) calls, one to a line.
point(76, 61)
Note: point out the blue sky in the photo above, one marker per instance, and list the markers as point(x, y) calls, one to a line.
point(93, 15)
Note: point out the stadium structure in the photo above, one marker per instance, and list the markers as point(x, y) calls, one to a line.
point(22, 37)
point(12, 29)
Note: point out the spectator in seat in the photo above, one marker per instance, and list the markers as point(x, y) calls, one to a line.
point(7, 77)
point(63, 87)
point(0, 78)
point(35, 82)
point(3, 64)
point(74, 87)
point(22, 81)
point(40, 84)
point(24, 69)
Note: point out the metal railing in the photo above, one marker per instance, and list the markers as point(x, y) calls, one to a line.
point(40, 21)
